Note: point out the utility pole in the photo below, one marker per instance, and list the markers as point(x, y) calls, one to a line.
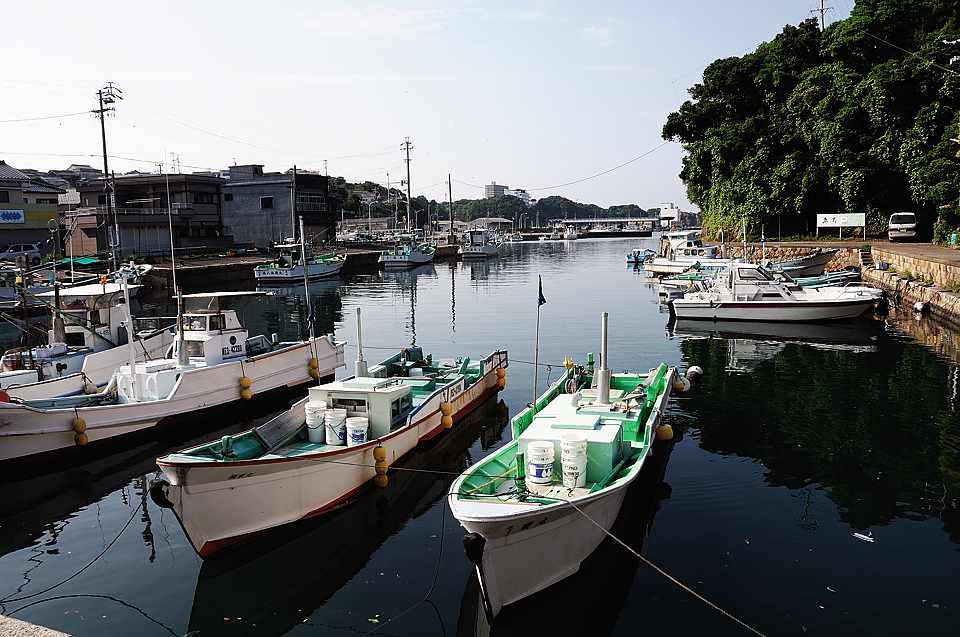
point(450, 188)
point(410, 213)
point(109, 94)
point(822, 10)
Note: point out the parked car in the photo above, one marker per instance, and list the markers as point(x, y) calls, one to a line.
point(902, 225)
point(29, 250)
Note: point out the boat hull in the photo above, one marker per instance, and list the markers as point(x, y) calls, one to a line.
point(221, 504)
point(315, 271)
point(532, 548)
point(405, 260)
point(522, 547)
point(28, 433)
point(824, 310)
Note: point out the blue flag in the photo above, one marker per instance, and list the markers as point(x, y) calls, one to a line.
point(541, 300)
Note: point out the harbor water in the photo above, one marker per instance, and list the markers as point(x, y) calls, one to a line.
point(811, 486)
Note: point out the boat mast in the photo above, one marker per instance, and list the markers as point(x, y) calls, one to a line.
point(360, 365)
point(131, 348)
point(306, 281)
point(603, 374)
point(411, 218)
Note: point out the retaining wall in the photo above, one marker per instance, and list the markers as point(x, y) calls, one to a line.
point(944, 275)
point(905, 293)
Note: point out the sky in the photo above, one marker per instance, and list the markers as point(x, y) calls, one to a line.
point(554, 97)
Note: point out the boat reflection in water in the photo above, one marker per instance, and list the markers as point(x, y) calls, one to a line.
point(38, 505)
point(276, 581)
point(563, 608)
point(750, 342)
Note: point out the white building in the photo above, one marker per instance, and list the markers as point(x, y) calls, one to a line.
point(492, 190)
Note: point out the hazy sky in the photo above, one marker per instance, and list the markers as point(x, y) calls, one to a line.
point(541, 95)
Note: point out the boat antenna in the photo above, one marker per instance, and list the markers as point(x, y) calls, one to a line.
point(181, 358)
point(173, 261)
point(131, 348)
point(603, 374)
point(306, 278)
point(536, 349)
point(360, 365)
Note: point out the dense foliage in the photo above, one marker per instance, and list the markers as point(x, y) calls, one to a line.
point(839, 121)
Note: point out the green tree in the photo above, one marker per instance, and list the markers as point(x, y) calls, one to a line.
point(835, 121)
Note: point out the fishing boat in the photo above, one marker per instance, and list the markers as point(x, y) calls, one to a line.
point(83, 347)
point(321, 555)
point(811, 264)
point(638, 256)
point(747, 292)
point(406, 253)
point(526, 527)
point(288, 265)
point(569, 234)
point(214, 365)
point(301, 464)
point(682, 250)
point(480, 244)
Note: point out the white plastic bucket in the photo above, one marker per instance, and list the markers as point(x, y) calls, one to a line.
point(540, 462)
point(356, 430)
point(315, 421)
point(574, 469)
point(335, 421)
point(573, 445)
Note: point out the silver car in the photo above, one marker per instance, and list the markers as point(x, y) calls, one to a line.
point(29, 250)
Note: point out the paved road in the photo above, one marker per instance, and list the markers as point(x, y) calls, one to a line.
point(928, 251)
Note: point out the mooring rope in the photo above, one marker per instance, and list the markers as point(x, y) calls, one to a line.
point(433, 584)
point(667, 575)
point(92, 562)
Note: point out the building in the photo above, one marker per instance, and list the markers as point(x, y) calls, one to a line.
point(258, 210)
point(492, 190)
point(28, 209)
point(146, 216)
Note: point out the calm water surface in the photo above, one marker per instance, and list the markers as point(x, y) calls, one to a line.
point(795, 441)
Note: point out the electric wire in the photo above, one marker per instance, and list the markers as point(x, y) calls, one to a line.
point(34, 119)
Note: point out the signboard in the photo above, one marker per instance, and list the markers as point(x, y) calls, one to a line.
point(840, 221)
point(12, 216)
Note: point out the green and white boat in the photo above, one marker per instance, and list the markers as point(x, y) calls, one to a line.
point(406, 253)
point(299, 465)
point(527, 527)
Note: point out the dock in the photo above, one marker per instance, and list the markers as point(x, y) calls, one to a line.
point(10, 627)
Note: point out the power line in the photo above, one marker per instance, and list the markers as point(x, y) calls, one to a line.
point(570, 183)
point(34, 119)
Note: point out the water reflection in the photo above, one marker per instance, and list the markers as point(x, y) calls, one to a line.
point(871, 426)
point(275, 582)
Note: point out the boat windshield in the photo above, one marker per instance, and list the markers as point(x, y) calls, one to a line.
point(754, 274)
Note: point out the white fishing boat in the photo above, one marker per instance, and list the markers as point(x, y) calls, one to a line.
point(407, 254)
point(308, 461)
point(480, 244)
point(528, 527)
point(569, 234)
point(288, 265)
point(215, 365)
point(747, 292)
point(682, 250)
point(811, 264)
point(83, 347)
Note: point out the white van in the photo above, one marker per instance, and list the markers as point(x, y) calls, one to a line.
point(902, 225)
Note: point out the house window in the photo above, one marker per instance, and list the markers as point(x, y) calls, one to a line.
point(4, 196)
point(266, 202)
point(102, 200)
point(228, 196)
